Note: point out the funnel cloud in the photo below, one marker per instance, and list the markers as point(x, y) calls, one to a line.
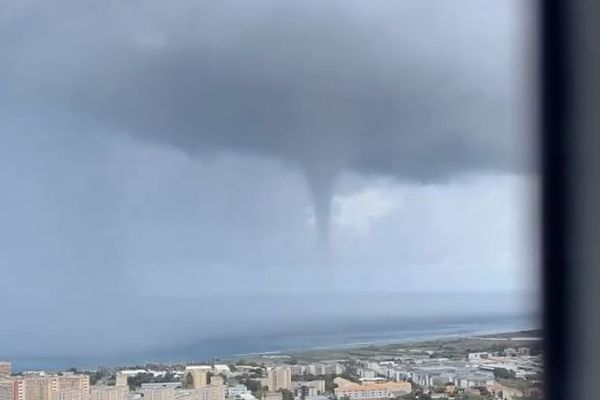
point(165, 167)
point(415, 90)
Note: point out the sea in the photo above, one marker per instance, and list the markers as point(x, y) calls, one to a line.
point(242, 344)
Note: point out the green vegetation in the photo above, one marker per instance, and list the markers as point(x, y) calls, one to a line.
point(137, 380)
point(452, 348)
point(253, 385)
point(99, 374)
point(328, 378)
point(503, 373)
point(439, 389)
point(188, 382)
point(257, 373)
point(287, 395)
point(351, 374)
point(414, 395)
point(249, 363)
point(532, 397)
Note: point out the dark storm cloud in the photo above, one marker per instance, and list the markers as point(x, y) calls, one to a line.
point(117, 234)
point(418, 90)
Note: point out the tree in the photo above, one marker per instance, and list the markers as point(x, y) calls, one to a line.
point(329, 385)
point(97, 375)
point(303, 391)
point(503, 373)
point(189, 380)
point(286, 394)
point(253, 385)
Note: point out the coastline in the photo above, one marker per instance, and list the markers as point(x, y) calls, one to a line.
point(312, 352)
point(319, 352)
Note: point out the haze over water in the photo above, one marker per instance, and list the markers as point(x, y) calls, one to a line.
point(295, 324)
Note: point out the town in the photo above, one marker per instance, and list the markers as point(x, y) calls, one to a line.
point(439, 370)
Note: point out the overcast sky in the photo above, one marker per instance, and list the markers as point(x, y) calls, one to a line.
point(172, 152)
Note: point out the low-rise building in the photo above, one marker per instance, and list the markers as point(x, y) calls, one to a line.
point(478, 356)
point(315, 387)
point(270, 395)
point(504, 392)
point(357, 391)
point(237, 390)
point(366, 373)
point(208, 392)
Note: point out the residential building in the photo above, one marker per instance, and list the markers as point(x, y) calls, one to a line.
point(264, 382)
point(217, 380)
point(70, 381)
point(478, 356)
point(7, 391)
point(357, 391)
point(196, 376)
point(18, 388)
point(366, 373)
point(504, 392)
point(173, 385)
point(270, 395)
point(5, 369)
point(309, 388)
point(221, 369)
point(37, 387)
point(157, 393)
point(109, 393)
point(321, 369)
point(279, 378)
point(121, 379)
point(51, 387)
point(237, 390)
point(208, 392)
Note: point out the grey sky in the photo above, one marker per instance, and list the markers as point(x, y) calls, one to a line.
point(170, 151)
